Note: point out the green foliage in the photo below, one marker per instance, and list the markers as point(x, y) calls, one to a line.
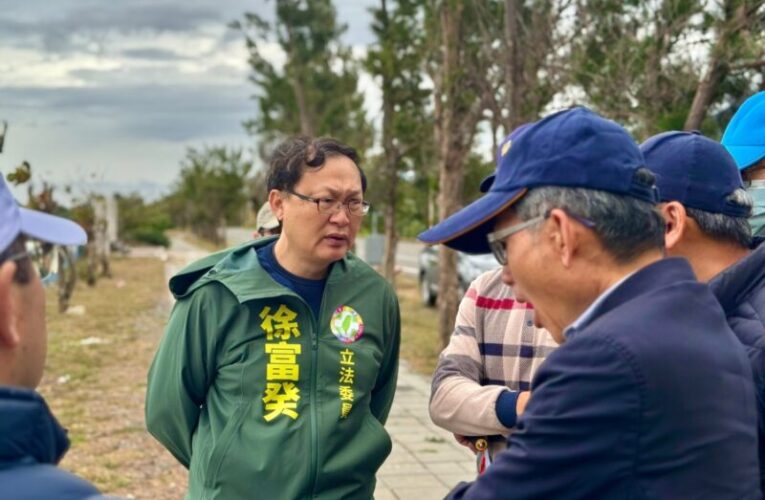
point(21, 174)
point(142, 223)
point(315, 91)
point(637, 61)
point(149, 236)
point(396, 61)
point(210, 192)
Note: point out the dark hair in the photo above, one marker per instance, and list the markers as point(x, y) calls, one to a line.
point(23, 266)
point(292, 157)
point(626, 226)
point(735, 230)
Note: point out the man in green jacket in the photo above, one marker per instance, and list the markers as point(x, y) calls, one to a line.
point(278, 366)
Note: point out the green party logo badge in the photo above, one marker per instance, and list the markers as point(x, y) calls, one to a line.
point(346, 324)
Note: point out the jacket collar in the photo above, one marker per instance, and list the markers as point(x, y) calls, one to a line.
point(660, 274)
point(239, 270)
point(735, 284)
point(29, 433)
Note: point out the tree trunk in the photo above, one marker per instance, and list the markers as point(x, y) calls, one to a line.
point(390, 168)
point(513, 67)
point(452, 153)
point(449, 197)
point(705, 91)
point(306, 122)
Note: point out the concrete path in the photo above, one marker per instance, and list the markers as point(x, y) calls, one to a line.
point(426, 461)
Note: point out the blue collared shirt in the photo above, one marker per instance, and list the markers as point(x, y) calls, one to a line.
point(586, 316)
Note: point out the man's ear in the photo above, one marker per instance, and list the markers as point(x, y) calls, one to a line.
point(277, 203)
point(9, 337)
point(564, 235)
point(677, 223)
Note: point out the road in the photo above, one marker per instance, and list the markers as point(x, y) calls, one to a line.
point(406, 254)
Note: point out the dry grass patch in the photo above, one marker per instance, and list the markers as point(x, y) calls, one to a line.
point(95, 381)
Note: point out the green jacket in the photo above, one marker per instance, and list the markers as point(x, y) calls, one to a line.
point(260, 399)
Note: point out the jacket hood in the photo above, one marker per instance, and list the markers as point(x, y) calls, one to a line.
point(735, 284)
point(239, 269)
point(29, 432)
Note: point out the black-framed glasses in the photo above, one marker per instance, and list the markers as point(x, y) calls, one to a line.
point(498, 239)
point(330, 206)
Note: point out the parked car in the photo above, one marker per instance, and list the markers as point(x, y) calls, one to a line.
point(469, 267)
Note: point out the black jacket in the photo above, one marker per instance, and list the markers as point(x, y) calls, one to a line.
point(741, 291)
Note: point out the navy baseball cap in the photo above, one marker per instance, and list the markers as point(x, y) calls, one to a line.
point(502, 150)
point(744, 138)
point(694, 170)
point(15, 220)
point(572, 148)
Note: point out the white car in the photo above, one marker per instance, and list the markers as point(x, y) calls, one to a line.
point(469, 267)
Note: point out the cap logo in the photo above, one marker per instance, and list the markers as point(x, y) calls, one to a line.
point(506, 147)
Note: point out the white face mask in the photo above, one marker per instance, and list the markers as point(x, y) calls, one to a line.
point(757, 191)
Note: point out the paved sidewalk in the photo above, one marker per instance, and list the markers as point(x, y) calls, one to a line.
point(426, 461)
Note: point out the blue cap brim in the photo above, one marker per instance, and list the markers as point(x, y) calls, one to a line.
point(468, 229)
point(746, 156)
point(51, 229)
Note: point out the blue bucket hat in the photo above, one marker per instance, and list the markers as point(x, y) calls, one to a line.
point(572, 148)
point(744, 138)
point(15, 220)
point(694, 170)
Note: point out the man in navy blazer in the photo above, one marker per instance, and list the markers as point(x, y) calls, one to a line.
point(706, 208)
point(650, 394)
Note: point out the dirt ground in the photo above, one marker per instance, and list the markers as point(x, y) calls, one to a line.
point(95, 381)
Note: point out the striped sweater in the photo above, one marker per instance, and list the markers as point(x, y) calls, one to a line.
point(494, 346)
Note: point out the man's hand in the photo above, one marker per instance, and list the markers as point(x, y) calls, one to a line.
point(465, 441)
point(521, 402)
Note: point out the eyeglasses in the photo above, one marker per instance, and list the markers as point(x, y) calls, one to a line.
point(331, 206)
point(498, 239)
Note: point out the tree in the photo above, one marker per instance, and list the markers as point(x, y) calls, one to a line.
point(211, 191)
point(314, 92)
point(457, 64)
point(736, 50)
point(530, 47)
point(396, 61)
point(634, 60)
point(141, 222)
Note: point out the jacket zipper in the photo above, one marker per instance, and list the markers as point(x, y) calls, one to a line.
point(314, 406)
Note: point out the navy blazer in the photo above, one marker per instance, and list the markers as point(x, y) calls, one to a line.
point(650, 398)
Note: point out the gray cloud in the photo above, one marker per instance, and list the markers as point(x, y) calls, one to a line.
point(154, 54)
point(151, 112)
point(74, 25)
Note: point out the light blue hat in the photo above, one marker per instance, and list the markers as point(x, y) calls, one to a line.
point(745, 136)
point(15, 220)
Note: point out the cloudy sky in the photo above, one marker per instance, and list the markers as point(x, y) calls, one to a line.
point(111, 93)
